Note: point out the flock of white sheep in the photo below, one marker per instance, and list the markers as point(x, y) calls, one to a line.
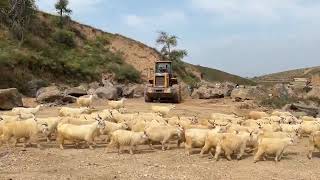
point(259, 133)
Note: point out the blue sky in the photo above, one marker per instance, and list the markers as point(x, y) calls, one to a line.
point(244, 37)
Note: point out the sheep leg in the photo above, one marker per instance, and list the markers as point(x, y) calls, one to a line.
point(218, 152)
point(61, 142)
point(150, 146)
point(188, 148)
point(89, 142)
point(163, 145)
point(131, 150)
point(242, 149)
point(34, 139)
point(281, 154)
point(15, 142)
point(310, 151)
point(119, 149)
point(228, 155)
point(7, 139)
point(26, 142)
point(48, 138)
point(258, 155)
point(179, 143)
point(212, 151)
point(205, 149)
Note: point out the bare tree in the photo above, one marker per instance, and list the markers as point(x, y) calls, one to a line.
point(17, 14)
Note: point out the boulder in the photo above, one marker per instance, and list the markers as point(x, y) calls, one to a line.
point(49, 94)
point(138, 90)
point(300, 107)
point(10, 98)
point(134, 91)
point(185, 91)
point(33, 86)
point(76, 92)
point(109, 93)
point(248, 93)
point(53, 94)
point(213, 91)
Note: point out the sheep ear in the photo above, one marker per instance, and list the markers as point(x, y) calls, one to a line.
point(1, 118)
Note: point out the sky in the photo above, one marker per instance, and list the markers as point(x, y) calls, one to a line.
point(243, 37)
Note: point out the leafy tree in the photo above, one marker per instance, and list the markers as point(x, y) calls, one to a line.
point(63, 10)
point(169, 42)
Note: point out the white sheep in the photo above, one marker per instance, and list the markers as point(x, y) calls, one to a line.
point(117, 104)
point(314, 143)
point(52, 123)
point(211, 142)
point(75, 121)
point(268, 134)
point(127, 138)
point(21, 110)
point(272, 127)
point(85, 101)
point(290, 128)
point(183, 121)
point(308, 118)
point(119, 117)
point(274, 146)
point(308, 127)
point(257, 115)
point(163, 134)
point(195, 138)
point(231, 143)
point(28, 129)
point(79, 132)
point(73, 112)
point(163, 110)
point(111, 127)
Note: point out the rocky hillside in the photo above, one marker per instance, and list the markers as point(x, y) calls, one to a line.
point(80, 53)
point(288, 76)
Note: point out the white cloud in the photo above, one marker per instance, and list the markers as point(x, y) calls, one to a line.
point(168, 18)
point(134, 20)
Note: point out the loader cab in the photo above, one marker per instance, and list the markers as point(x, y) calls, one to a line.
point(164, 67)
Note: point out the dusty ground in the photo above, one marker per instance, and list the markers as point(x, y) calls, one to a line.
point(53, 163)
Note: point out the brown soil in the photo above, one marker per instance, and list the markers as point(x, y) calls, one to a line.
point(71, 163)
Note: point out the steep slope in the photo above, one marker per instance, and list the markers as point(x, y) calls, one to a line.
point(80, 53)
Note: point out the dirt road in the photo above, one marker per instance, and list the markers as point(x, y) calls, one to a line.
point(71, 163)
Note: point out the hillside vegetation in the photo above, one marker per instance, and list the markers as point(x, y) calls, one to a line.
point(289, 75)
point(213, 75)
point(79, 53)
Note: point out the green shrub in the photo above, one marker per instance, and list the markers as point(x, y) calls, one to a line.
point(35, 42)
point(64, 37)
point(189, 78)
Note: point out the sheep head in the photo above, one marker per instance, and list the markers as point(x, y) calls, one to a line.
point(101, 123)
point(44, 128)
